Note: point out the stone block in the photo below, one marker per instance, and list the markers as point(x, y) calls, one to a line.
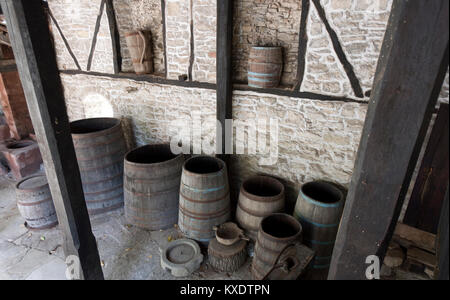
point(23, 158)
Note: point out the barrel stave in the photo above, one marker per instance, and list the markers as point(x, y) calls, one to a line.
point(100, 147)
point(204, 197)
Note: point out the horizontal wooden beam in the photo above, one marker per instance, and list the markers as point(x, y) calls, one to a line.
point(211, 86)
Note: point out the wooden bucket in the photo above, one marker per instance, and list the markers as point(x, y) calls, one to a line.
point(100, 148)
point(319, 209)
point(265, 67)
point(140, 46)
point(204, 197)
point(151, 186)
point(35, 203)
point(259, 197)
point(276, 234)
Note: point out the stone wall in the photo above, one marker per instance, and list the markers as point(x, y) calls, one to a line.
point(266, 23)
point(77, 20)
point(317, 139)
point(134, 15)
point(178, 35)
point(360, 27)
point(205, 23)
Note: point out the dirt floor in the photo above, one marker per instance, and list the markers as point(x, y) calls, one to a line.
point(126, 252)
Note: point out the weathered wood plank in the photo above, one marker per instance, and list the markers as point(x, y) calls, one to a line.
point(224, 80)
point(408, 236)
point(115, 37)
point(425, 205)
point(409, 72)
point(36, 62)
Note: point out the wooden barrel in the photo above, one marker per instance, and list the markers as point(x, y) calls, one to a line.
point(140, 46)
point(100, 148)
point(276, 232)
point(259, 197)
point(265, 67)
point(319, 209)
point(204, 197)
point(152, 177)
point(35, 202)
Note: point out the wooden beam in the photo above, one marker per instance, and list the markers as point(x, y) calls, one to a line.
point(442, 246)
point(36, 62)
point(425, 205)
point(115, 37)
point(409, 72)
point(224, 65)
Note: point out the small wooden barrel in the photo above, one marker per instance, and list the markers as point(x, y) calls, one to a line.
point(227, 258)
point(204, 197)
point(35, 202)
point(140, 46)
point(259, 197)
point(319, 209)
point(151, 186)
point(276, 232)
point(265, 67)
point(100, 148)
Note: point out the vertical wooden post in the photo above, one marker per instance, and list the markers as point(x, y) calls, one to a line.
point(224, 65)
point(115, 37)
point(410, 72)
point(36, 62)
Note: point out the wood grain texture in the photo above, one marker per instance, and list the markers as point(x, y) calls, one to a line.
point(425, 205)
point(36, 62)
point(414, 53)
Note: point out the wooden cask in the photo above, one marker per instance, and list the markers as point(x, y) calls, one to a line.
point(319, 209)
point(140, 46)
point(204, 197)
point(100, 148)
point(265, 67)
point(259, 197)
point(276, 233)
point(152, 177)
point(35, 202)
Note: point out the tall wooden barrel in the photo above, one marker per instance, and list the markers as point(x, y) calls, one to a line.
point(140, 46)
point(100, 148)
point(265, 67)
point(35, 202)
point(204, 197)
point(259, 197)
point(319, 209)
point(276, 232)
point(152, 177)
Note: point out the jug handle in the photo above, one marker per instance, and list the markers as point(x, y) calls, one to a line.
point(275, 265)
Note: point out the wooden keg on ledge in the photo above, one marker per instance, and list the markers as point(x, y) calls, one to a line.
point(319, 209)
point(259, 197)
point(35, 202)
point(151, 186)
point(204, 197)
point(140, 46)
point(265, 67)
point(100, 148)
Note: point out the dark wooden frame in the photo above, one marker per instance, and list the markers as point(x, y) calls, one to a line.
point(410, 73)
point(36, 62)
point(224, 69)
